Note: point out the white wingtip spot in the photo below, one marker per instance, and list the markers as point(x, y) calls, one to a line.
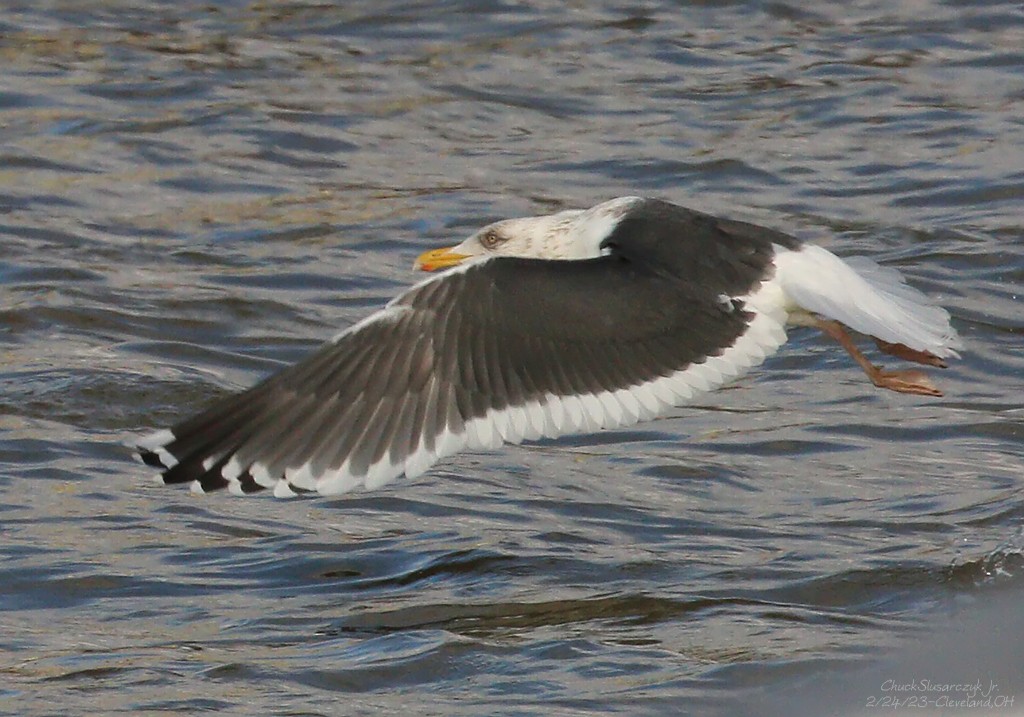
point(337, 481)
point(165, 457)
point(283, 490)
point(232, 469)
point(262, 476)
point(197, 488)
point(301, 477)
point(156, 439)
point(419, 462)
point(381, 474)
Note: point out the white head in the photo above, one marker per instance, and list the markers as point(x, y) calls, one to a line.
point(571, 234)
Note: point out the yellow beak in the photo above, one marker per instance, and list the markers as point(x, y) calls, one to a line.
point(438, 259)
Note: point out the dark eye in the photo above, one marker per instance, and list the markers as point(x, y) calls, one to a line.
point(491, 239)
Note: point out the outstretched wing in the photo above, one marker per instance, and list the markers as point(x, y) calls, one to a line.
point(497, 351)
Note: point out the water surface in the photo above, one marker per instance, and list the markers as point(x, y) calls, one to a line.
point(193, 194)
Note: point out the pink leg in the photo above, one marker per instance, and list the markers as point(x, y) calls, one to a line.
point(908, 354)
point(912, 381)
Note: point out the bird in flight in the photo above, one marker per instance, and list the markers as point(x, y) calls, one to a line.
point(541, 327)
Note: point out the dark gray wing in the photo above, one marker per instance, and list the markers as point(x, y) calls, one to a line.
point(497, 351)
point(711, 254)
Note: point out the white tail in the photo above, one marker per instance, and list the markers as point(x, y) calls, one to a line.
point(866, 297)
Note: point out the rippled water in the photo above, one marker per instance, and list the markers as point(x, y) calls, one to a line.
point(193, 193)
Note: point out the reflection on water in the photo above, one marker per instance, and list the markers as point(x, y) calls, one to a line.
point(191, 195)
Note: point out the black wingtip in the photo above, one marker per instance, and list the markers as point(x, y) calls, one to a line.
point(211, 481)
point(249, 484)
point(150, 458)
